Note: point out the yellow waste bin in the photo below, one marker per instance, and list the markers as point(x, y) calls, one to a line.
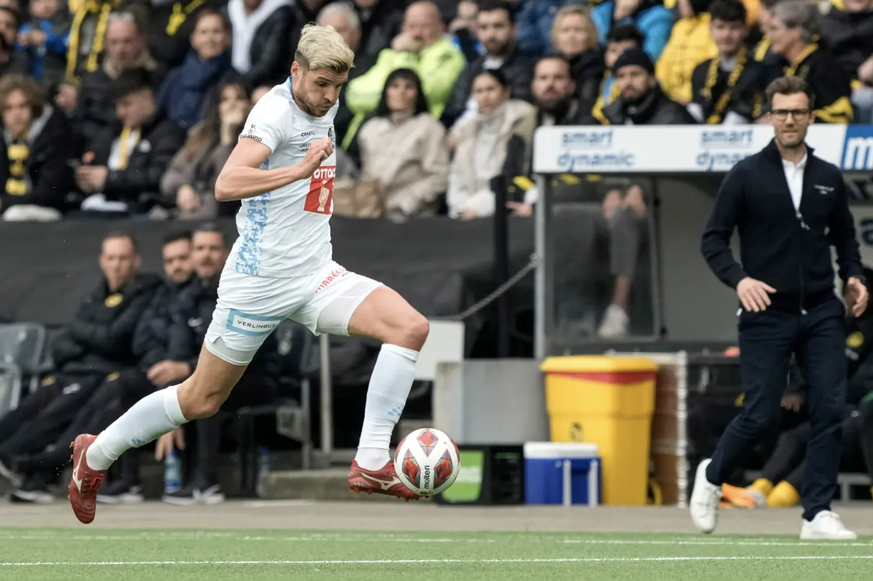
point(606, 401)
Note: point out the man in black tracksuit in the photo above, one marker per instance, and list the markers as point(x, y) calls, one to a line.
point(789, 208)
point(191, 315)
point(97, 344)
point(119, 391)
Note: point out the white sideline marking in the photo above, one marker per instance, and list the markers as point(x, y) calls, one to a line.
point(716, 542)
point(395, 538)
point(440, 561)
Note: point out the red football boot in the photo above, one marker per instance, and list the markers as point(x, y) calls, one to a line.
point(85, 481)
point(382, 481)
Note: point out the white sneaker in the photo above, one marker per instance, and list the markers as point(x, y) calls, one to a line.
point(826, 526)
point(704, 500)
point(615, 323)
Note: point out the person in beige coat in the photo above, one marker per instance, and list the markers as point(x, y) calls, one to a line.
point(402, 147)
point(481, 145)
point(189, 182)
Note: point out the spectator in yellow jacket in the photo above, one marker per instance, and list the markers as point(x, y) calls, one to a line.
point(690, 44)
point(421, 46)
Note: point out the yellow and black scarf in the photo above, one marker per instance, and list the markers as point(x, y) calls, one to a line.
point(18, 152)
point(724, 99)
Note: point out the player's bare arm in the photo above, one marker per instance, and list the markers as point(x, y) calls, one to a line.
point(242, 178)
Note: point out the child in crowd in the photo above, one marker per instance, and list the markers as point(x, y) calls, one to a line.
point(44, 38)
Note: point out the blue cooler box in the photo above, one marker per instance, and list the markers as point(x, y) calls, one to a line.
point(561, 473)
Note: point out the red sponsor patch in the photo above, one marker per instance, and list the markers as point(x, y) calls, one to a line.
point(320, 196)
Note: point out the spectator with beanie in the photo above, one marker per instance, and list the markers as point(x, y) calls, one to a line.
point(124, 165)
point(184, 95)
point(650, 17)
point(792, 31)
point(495, 27)
point(262, 46)
point(37, 142)
point(619, 39)
point(728, 89)
point(641, 100)
point(690, 44)
point(848, 34)
point(125, 50)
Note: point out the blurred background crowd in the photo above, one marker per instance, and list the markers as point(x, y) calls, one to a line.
point(128, 108)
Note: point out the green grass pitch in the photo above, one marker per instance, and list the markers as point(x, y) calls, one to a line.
point(52, 554)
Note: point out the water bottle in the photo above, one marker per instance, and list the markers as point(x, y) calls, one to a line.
point(263, 468)
point(172, 472)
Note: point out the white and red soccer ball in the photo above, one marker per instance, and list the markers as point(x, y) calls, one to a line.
point(427, 461)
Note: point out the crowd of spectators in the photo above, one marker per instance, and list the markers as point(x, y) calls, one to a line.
point(120, 108)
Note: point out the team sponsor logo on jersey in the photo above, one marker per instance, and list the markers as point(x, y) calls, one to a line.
point(320, 197)
point(334, 275)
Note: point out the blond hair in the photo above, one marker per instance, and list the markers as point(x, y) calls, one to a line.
point(576, 10)
point(322, 47)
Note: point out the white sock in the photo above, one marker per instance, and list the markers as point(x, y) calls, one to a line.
point(149, 418)
point(386, 397)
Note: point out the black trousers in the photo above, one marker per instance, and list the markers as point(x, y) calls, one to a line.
point(788, 461)
point(767, 340)
point(252, 390)
point(114, 396)
point(45, 414)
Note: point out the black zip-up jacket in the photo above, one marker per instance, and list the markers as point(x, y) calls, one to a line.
point(785, 248)
point(99, 339)
point(192, 314)
point(151, 338)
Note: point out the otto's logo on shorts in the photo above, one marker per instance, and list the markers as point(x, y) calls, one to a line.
point(334, 275)
point(251, 324)
point(320, 197)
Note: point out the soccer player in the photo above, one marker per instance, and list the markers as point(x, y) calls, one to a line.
point(281, 267)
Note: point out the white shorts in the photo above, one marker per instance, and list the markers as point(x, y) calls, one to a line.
point(250, 308)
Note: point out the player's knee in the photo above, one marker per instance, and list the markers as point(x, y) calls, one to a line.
point(417, 329)
point(412, 332)
point(197, 401)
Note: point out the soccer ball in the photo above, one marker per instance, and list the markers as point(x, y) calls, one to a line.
point(427, 461)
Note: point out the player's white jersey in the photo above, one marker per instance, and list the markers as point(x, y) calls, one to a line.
point(286, 232)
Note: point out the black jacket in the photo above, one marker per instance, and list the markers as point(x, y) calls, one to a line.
point(849, 37)
point(746, 96)
point(140, 182)
point(787, 249)
point(49, 175)
point(655, 109)
point(99, 339)
point(95, 110)
point(272, 49)
point(151, 338)
point(192, 314)
point(517, 68)
point(828, 81)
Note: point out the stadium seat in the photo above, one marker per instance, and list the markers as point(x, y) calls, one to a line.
point(24, 345)
point(10, 387)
